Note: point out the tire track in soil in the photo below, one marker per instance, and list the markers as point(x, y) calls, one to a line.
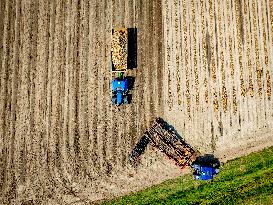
point(159, 57)
point(245, 74)
point(254, 64)
point(80, 79)
point(5, 97)
point(193, 76)
point(83, 89)
point(28, 96)
point(101, 91)
point(121, 111)
point(2, 33)
point(176, 62)
point(58, 94)
point(260, 70)
point(168, 93)
point(141, 71)
point(51, 141)
point(219, 83)
point(61, 172)
point(254, 97)
point(208, 82)
point(183, 60)
point(40, 96)
point(241, 60)
point(91, 147)
point(65, 33)
point(70, 92)
point(125, 110)
point(266, 46)
point(122, 12)
point(136, 131)
point(204, 65)
point(199, 75)
point(113, 127)
point(140, 75)
point(189, 83)
point(260, 64)
point(94, 76)
point(108, 164)
point(214, 75)
point(156, 62)
point(250, 88)
point(32, 74)
point(76, 72)
point(118, 113)
point(150, 69)
point(269, 16)
point(238, 115)
point(131, 109)
point(57, 62)
point(133, 129)
point(230, 64)
point(138, 93)
point(12, 174)
point(146, 67)
point(20, 152)
point(261, 41)
point(225, 106)
point(68, 152)
point(23, 101)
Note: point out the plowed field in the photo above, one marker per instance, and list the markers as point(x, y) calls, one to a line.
point(205, 66)
point(218, 72)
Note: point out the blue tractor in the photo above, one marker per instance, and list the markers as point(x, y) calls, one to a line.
point(205, 167)
point(120, 90)
point(202, 172)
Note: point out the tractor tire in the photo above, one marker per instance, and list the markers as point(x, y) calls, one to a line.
point(114, 100)
point(125, 99)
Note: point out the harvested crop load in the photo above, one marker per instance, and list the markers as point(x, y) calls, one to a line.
point(119, 49)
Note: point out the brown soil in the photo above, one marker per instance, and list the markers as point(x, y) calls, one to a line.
point(204, 67)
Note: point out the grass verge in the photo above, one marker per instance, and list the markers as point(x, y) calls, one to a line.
point(245, 180)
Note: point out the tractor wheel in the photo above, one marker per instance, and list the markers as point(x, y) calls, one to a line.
point(125, 99)
point(114, 100)
point(216, 164)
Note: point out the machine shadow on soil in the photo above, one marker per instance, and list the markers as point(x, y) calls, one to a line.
point(132, 48)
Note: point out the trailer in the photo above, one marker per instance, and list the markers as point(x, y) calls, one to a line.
point(119, 50)
point(165, 138)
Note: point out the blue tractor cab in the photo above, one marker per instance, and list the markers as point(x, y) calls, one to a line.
point(204, 172)
point(205, 167)
point(120, 90)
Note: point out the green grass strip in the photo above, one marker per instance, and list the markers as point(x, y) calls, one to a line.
point(245, 180)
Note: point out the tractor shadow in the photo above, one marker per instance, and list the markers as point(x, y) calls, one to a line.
point(208, 160)
point(132, 48)
point(131, 82)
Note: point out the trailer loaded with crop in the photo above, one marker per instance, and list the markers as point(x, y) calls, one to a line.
point(163, 137)
point(119, 48)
